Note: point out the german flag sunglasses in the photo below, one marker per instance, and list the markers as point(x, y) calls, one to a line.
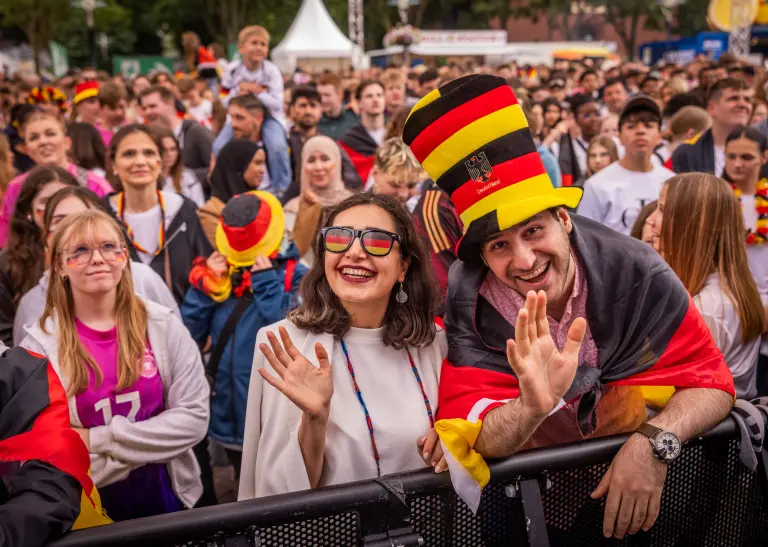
point(375, 242)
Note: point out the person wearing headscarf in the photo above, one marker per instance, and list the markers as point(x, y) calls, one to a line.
point(240, 167)
point(321, 189)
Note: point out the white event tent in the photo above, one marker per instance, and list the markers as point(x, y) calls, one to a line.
point(313, 41)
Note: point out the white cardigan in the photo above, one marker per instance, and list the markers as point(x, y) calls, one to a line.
point(272, 460)
point(122, 446)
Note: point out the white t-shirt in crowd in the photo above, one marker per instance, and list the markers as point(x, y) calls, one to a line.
point(615, 195)
point(719, 161)
point(272, 458)
point(202, 112)
point(191, 187)
point(146, 230)
point(757, 255)
point(378, 135)
point(722, 318)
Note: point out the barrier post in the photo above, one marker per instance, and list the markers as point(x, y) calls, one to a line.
point(529, 492)
point(389, 525)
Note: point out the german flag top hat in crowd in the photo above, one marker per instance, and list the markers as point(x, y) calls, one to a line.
point(251, 225)
point(84, 91)
point(473, 140)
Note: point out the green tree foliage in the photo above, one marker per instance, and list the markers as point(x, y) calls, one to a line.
point(39, 19)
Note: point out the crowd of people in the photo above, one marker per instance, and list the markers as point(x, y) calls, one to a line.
point(331, 277)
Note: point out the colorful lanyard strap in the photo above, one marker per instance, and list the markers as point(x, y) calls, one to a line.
point(160, 237)
point(365, 408)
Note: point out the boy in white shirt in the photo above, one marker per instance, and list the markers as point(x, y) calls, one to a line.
point(615, 195)
point(199, 108)
point(254, 74)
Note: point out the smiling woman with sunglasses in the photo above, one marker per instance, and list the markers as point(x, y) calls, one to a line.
point(342, 389)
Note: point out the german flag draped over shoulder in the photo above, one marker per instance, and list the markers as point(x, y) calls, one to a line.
point(472, 138)
point(35, 425)
point(361, 149)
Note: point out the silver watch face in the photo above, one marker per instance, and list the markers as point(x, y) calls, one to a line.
point(668, 446)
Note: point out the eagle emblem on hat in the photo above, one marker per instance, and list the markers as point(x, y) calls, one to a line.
point(479, 168)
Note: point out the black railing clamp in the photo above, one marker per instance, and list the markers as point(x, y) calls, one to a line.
point(389, 526)
point(528, 490)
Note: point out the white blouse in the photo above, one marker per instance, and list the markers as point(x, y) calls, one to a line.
point(272, 459)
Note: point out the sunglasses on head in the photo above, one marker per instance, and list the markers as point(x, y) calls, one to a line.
point(375, 242)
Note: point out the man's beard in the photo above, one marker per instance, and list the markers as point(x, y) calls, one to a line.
point(306, 125)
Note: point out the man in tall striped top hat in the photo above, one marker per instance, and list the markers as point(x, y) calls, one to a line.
point(553, 320)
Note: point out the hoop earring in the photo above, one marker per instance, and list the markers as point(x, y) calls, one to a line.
point(402, 296)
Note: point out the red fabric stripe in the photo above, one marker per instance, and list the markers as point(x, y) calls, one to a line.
point(567, 180)
point(507, 173)
point(363, 164)
point(51, 439)
point(462, 387)
point(244, 237)
point(691, 360)
point(668, 163)
point(290, 267)
point(445, 126)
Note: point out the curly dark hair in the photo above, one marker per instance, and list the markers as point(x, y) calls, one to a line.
point(25, 252)
point(405, 325)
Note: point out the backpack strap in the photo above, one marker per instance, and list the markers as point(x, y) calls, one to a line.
point(212, 367)
point(290, 267)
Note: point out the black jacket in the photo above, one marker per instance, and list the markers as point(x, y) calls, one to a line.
point(696, 155)
point(296, 145)
point(7, 307)
point(197, 144)
point(185, 241)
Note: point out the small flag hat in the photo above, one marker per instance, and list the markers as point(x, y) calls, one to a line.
point(472, 138)
point(84, 91)
point(251, 225)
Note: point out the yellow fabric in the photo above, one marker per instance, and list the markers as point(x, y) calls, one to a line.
point(459, 437)
point(91, 514)
point(268, 244)
point(657, 396)
point(424, 101)
point(472, 137)
point(521, 201)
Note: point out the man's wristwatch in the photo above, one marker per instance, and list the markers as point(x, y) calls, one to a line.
point(666, 446)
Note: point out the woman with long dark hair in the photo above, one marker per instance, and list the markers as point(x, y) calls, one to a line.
point(22, 262)
point(698, 229)
point(355, 370)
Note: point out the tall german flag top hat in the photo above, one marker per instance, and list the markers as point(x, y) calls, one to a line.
point(473, 140)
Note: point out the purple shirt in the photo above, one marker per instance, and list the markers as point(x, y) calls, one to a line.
point(96, 184)
point(147, 490)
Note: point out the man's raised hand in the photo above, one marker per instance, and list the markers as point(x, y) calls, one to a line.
point(543, 373)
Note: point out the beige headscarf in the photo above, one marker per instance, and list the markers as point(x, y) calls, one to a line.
point(335, 192)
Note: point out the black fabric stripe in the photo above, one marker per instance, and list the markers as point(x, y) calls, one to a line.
point(452, 95)
point(477, 232)
point(510, 146)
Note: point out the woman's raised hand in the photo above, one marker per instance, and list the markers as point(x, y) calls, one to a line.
point(309, 387)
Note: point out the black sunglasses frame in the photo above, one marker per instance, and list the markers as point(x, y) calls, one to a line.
point(359, 234)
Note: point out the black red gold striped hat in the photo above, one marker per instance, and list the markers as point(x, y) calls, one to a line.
point(84, 91)
point(251, 225)
point(473, 140)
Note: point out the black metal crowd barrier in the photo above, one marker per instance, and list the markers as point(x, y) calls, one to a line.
point(538, 498)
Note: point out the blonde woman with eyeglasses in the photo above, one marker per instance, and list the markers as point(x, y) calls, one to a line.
point(135, 384)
